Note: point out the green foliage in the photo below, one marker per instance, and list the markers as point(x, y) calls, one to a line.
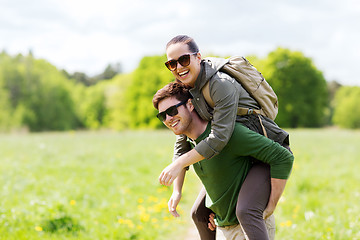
point(79, 77)
point(332, 87)
point(38, 94)
point(110, 71)
point(60, 221)
point(150, 76)
point(6, 120)
point(347, 107)
point(300, 87)
point(91, 105)
point(118, 118)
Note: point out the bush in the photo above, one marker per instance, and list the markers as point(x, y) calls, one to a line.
point(150, 76)
point(347, 110)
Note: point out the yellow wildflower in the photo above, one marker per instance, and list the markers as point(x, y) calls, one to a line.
point(286, 224)
point(162, 189)
point(144, 217)
point(38, 229)
point(153, 199)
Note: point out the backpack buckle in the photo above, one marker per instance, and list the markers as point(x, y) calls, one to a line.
point(250, 111)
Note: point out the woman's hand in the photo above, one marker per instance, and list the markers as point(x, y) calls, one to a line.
point(169, 174)
point(211, 224)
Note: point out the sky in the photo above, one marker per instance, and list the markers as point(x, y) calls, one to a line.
point(86, 36)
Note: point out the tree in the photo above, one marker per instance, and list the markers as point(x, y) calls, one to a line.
point(347, 110)
point(118, 118)
point(300, 87)
point(110, 72)
point(80, 77)
point(5, 110)
point(38, 94)
point(91, 107)
point(332, 87)
point(150, 76)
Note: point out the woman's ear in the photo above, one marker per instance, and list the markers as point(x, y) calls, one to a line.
point(198, 56)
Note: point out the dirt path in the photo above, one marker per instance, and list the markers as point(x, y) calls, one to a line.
point(192, 234)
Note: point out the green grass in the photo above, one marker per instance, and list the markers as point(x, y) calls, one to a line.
point(103, 185)
point(87, 185)
point(321, 200)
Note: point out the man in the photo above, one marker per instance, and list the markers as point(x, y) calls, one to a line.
point(224, 174)
point(187, 66)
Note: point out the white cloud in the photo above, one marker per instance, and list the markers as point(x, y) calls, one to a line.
point(81, 35)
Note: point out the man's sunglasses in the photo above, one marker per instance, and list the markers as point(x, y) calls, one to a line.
point(171, 111)
point(184, 61)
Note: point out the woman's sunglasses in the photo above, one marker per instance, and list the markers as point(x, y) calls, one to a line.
point(171, 111)
point(184, 61)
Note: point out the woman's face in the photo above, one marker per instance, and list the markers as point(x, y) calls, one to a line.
point(186, 74)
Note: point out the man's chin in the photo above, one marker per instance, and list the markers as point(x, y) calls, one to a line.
point(177, 132)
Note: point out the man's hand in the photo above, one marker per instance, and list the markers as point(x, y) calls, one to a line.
point(277, 188)
point(173, 202)
point(169, 174)
point(270, 208)
point(211, 224)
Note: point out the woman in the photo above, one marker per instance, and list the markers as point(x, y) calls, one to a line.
point(187, 66)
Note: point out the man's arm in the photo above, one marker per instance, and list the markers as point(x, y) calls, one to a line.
point(176, 195)
point(277, 188)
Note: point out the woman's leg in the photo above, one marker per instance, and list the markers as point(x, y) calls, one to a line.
point(252, 201)
point(200, 215)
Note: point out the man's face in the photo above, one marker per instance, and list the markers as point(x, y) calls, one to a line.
point(180, 122)
point(186, 74)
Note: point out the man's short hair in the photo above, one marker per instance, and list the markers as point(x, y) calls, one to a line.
point(173, 89)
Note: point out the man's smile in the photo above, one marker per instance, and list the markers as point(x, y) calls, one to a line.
point(173, 124)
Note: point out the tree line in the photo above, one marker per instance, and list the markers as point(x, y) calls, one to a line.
point(37, 96)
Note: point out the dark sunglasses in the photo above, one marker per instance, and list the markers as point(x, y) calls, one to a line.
point(171, 111)
point(184, 61)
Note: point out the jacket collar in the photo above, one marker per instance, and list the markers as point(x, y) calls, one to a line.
point(209, 67)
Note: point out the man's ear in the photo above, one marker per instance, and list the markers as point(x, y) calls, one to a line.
point(189, 105)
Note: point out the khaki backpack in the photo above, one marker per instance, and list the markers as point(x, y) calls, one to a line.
point(253, 82)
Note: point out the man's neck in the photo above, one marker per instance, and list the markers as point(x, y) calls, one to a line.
point(196, 128)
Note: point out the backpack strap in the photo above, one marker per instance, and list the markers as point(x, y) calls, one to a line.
point(245, 111)
point(206, 94)
point(240, 111)
point(262, 126)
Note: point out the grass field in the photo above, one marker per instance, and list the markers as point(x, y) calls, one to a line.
point(103, 185)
